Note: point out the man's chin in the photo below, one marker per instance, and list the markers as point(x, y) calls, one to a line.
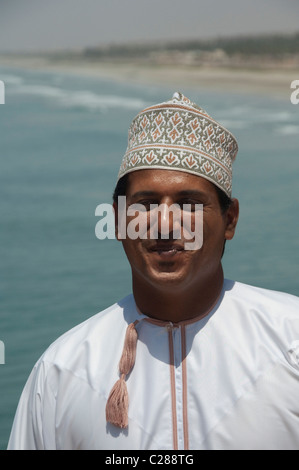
point(167, 278)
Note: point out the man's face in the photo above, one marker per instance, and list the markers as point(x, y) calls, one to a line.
point(164, 262)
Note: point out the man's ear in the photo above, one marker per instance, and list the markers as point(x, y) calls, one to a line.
point(232, 216)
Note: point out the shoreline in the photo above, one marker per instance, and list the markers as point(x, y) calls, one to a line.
point(241, 80)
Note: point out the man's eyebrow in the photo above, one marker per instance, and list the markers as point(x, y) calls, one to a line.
point(143, 194)
point(192, 192)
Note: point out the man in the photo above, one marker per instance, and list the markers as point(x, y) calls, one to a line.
point(189, 360)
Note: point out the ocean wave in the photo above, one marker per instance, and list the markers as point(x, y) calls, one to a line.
point(82, 99)
point(94, 101)
point(40, 90)
point(234, 124)
point(246, 117)
point(281, 116)
point(240, 111)
point(11, 79)
point(288, 130)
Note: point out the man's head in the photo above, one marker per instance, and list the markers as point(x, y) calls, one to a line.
point(177, 154)
point(165, 262)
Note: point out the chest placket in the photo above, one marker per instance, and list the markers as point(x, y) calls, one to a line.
point(178, 380)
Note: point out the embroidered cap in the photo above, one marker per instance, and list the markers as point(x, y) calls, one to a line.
point(179, 135)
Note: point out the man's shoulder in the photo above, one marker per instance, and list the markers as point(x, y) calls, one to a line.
point(261, 292)
point(264, 319)
point(259, 298)
point(92, 334)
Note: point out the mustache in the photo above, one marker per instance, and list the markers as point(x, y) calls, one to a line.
point(165, 245)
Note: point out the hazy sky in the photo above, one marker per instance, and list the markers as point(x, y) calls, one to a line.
point(58, 24)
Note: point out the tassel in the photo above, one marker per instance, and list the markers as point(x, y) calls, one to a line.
point(118, 404)
point(118, 401)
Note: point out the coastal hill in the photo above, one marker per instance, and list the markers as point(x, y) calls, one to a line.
point(255, 51)
point(247, 64)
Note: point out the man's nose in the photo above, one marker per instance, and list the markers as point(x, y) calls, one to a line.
point(165, 221)
point(169, 218)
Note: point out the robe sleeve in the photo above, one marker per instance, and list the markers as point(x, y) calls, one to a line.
point(36, 407)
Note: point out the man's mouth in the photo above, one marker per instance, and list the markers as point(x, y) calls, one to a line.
point(167, 249)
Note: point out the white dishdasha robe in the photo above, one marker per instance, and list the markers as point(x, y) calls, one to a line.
point(229, 381)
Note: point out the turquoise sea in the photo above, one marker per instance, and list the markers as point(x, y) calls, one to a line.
point(62, 138)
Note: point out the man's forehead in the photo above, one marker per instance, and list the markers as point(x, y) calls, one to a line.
point(162, 181)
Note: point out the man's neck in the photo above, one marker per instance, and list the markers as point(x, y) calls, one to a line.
point(177, 305)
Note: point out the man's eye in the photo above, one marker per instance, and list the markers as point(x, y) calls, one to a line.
point(148, 204)
point(190, 206)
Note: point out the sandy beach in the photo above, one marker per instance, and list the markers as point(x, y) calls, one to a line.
point(240, 80)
